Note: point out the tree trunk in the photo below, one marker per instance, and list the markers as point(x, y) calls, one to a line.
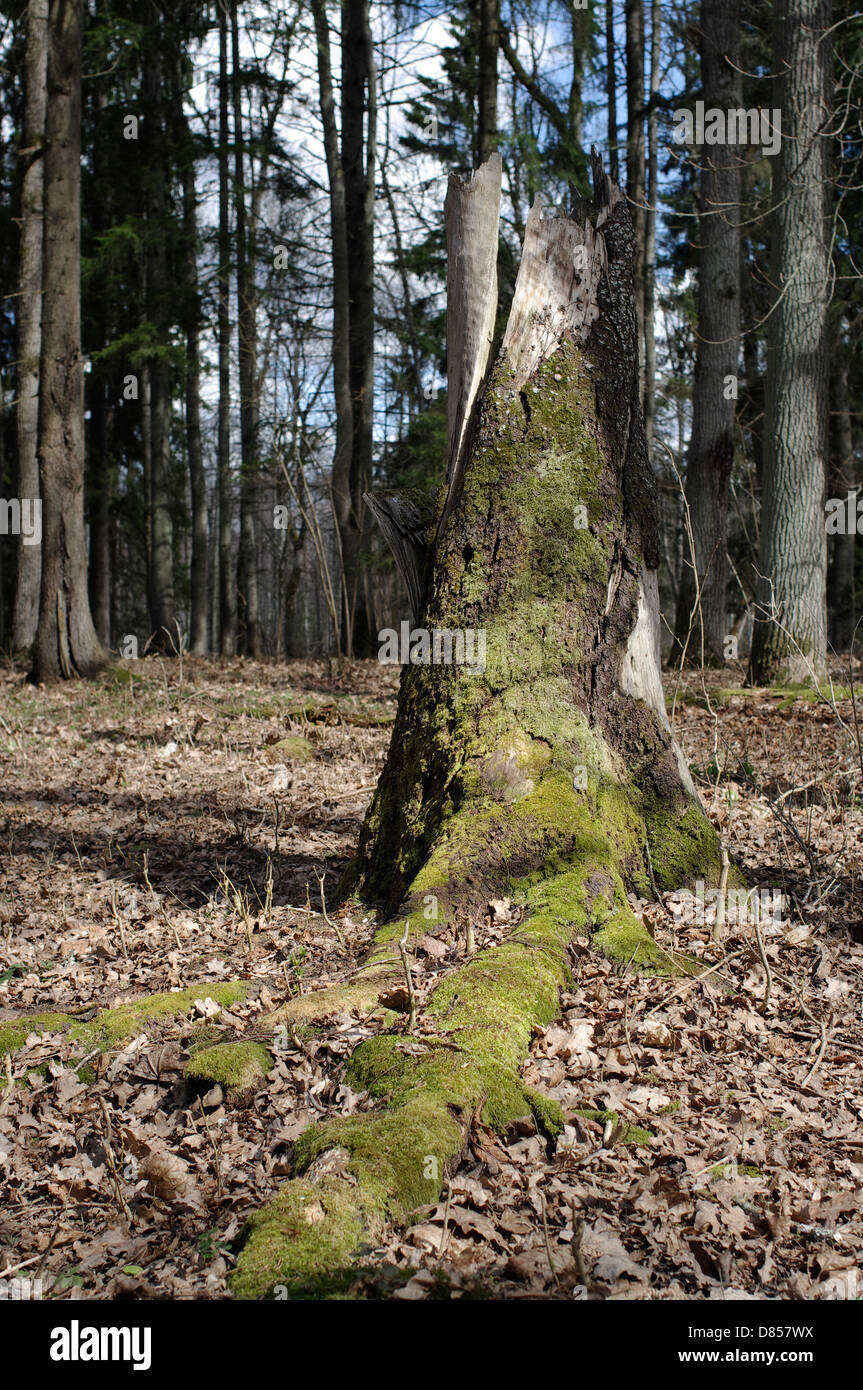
point(359, 106)
point(547, 773)
point(789, 641)
point(197, 477)
point(66, 644)
point(635, 157)
point(489, 43)
point(650, 228)
point(700, 627)
point(156, 154)
point(611, 90)
point(29, 315)
point(227, 600)
point(247, 353)
point(341, 469)
point(843, 479)
point(100, 488)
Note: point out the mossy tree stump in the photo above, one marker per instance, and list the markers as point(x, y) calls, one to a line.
point(552, 775)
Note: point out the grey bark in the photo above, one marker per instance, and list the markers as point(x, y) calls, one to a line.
point(197, 478)
point(29, 313)
point(359, 156)
point(247, 572)
point(489, 43)
point(341, 301)
point(701, 627)
point(789, 642)
point(650, 227)
point(66, 643)
point(843, 479)
point(635, 156)
point(227, 600)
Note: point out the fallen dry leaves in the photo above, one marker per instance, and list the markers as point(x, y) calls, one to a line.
point(149, 842)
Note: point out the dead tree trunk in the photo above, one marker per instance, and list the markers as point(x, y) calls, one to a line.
point(547, 545)
point(545, 772)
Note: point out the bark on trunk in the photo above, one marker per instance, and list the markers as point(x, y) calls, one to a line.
point(611, 91)
point(341, 469)
point(635, 157)
point(700, 627)
point(29, 315)
point(197, 478)
point(156, 155)
point(359, 139)
point(66, 644)
point(650, 228)
point(789, 642)
point(247, 356)
point(547, 773)
point(843, 479)
point(489, 44)
point(227, 599)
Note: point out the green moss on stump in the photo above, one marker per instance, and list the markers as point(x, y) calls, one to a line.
point(235, 1066)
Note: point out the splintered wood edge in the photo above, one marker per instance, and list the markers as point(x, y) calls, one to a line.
point(556, 293)
point(472, 212)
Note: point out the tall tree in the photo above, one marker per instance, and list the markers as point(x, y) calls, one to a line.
point(355, 173)
point(650, 227)
point(701, 609)
point(29, 312)
point(194, 446)
point(66, 643)
point(341, 467)
point(489, 44)
point(247, 357)
point(611, 90)
point(841, 597)
point(157, 167)
point(635, 154)
point(227, 593)
point(790, 635)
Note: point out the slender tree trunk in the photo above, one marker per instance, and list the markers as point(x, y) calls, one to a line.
point(157, 156)
point(66, 644)
point(489, 43)
point(247, 567)
point(717, 356)
point(359, 110)
point(227, 599)
point(100, 473)
point(843, 479)
point(635, 156)
point(29, 314)
point(611, 91)
point(197, 477)
point(650, 228)
point(341, 471)
point(789, 641)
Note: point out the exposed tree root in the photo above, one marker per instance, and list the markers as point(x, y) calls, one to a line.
point(354, 1173)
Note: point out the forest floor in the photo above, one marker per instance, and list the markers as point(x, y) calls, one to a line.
point(154, 835)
